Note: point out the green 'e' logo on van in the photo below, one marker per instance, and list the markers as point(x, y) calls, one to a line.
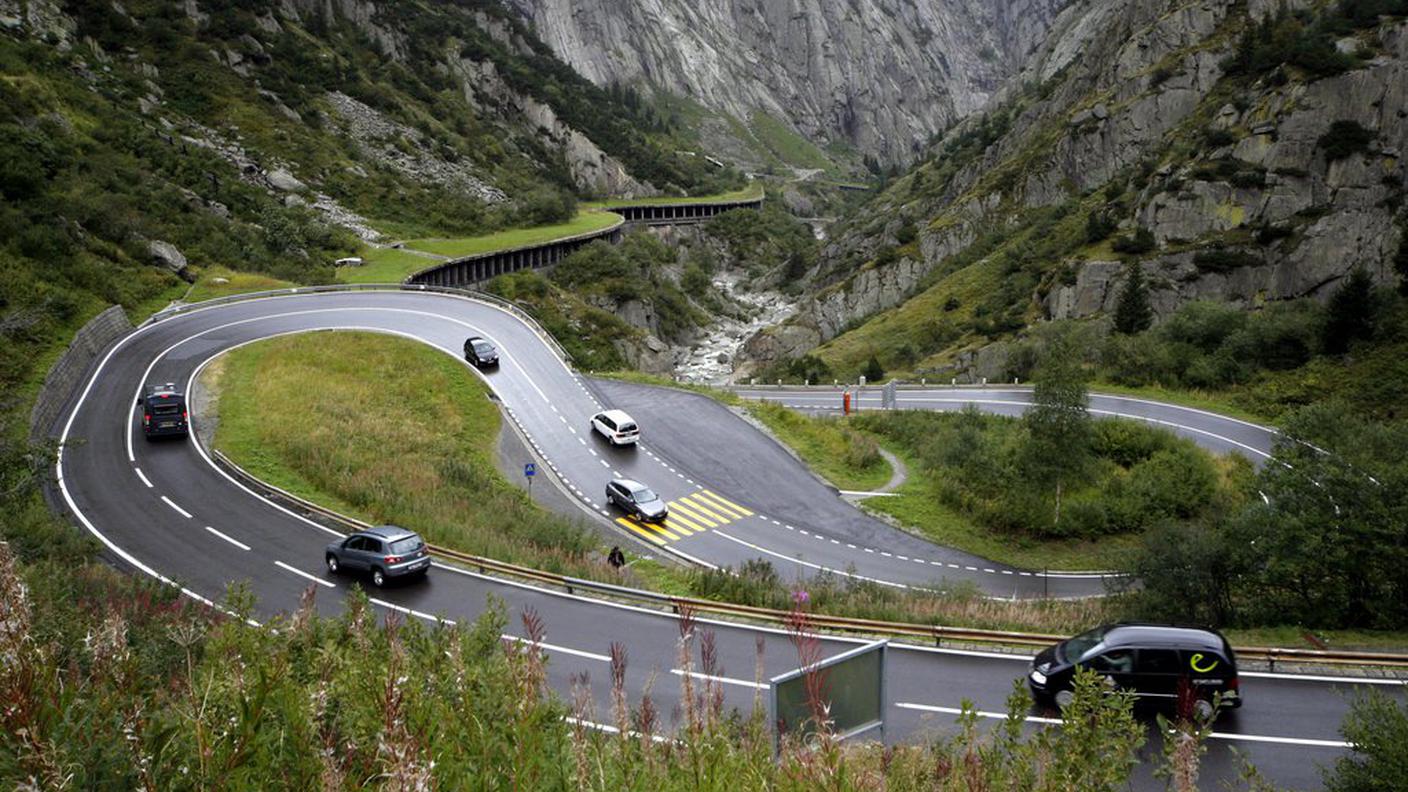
point(1196, 659)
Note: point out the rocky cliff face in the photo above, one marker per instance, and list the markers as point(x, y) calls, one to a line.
point(884, 76)
point(1241, 184)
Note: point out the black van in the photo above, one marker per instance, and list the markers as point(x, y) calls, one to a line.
point(163, 411)
point(1154, 661)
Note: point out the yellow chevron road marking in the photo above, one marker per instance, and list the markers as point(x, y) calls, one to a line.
point(646, 529)
point(678, 521)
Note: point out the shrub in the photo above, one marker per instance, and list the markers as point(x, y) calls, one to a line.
point(1098, 226)
point(1221, 259)
point(1142, 241)
point(1217, 138)
point(1345, 139)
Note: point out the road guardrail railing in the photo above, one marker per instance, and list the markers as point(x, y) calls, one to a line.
point(936, 633)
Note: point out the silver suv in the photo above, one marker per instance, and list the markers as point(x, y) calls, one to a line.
point(385, 552)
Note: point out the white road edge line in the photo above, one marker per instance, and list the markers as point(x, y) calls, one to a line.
point(303, 574)
point(143, 477)
point(235, 542)
point(1305, 741)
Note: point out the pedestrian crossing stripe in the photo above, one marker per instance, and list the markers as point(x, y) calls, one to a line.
point(703, 507)
point(684, 507)
point(728, 504)
point(694, 513)
point(678, 522)
point(645, 530)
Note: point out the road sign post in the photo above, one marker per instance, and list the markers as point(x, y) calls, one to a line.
point(529, 471)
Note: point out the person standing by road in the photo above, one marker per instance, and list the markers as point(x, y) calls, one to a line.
point(616, 558)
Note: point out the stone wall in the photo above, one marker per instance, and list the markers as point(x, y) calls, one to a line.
point(68, 374)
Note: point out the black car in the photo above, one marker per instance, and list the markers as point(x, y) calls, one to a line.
point(480, 352)
point(1153, 661)
point(637, 500)
point(386, 552)
point(163, 411)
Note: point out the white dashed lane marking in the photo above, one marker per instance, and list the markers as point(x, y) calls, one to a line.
point(235, 542)
point(303, 574)
point(178, 509)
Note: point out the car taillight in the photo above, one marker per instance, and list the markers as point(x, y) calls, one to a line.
point(146, 420)
point(1235, 684)
point(392, 559)
point(183, 415)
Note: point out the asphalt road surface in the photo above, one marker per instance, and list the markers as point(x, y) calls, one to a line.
point(163, 509)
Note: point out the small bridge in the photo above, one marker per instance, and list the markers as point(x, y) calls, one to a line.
point(467, 270)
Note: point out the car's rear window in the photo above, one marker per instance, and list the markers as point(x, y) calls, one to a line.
point(628, 427)
point(405, 546)
point(645, 495)
point(166, 408)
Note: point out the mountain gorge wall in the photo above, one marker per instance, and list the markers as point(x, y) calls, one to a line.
point(883, 76)
point(1250, 187)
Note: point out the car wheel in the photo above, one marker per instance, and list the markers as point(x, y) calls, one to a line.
point(1063, 698)
point(332, 563)
point(378, 578)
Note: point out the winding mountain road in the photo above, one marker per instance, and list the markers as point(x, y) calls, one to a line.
point(162, 508)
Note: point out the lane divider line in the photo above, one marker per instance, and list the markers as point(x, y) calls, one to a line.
point(303, 574)
point(178, 509)
point(143, 477)
point(235, 542)
point(748, 683)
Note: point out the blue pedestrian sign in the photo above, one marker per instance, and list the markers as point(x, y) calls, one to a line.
point(530, 470)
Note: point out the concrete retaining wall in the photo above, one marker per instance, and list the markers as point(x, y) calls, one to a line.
point(67, 375)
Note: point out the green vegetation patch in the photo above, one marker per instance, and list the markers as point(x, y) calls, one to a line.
point(386, 265)
point(750, 192)
point(208, 285)
point(786, 145)
point(386, 430)
point(847, 458)
point(583, 223)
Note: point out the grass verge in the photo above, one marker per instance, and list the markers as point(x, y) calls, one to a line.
point(754, 190)
point(214, 282)
point(583, 223)
point(385, 265)
point(329, 443)
point(844, 456)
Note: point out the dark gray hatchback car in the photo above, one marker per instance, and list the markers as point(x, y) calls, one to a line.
point(385, 552)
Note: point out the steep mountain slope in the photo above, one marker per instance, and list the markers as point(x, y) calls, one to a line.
point(882, 77)
point(1231, 152)
point(138, 139)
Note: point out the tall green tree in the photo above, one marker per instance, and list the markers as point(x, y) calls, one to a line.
point(1132, 313)
point(1351, 313)
point(1058, 422)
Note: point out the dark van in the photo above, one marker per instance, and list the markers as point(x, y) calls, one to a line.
point(1153, 661)
point(163, 411)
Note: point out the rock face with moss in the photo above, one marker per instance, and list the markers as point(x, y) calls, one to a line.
point(881, 76)
point(1235, 153)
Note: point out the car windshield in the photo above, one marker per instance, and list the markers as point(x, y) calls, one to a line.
point(1073, 649)
point(405, 546)
point(483, 348)
point(645, 496)
point(166, 408)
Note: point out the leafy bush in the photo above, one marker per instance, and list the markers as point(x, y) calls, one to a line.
point(1222, 259)
point(1142, 241)
point(1345, 139)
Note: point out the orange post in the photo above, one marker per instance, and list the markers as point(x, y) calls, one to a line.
point(846, 403)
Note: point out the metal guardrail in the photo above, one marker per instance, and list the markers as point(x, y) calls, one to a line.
point(471, 294)
point(936, 633)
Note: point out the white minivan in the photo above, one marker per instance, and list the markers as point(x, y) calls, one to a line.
point(617, 427)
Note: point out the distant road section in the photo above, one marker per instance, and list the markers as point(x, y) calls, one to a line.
point(1220, 434)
